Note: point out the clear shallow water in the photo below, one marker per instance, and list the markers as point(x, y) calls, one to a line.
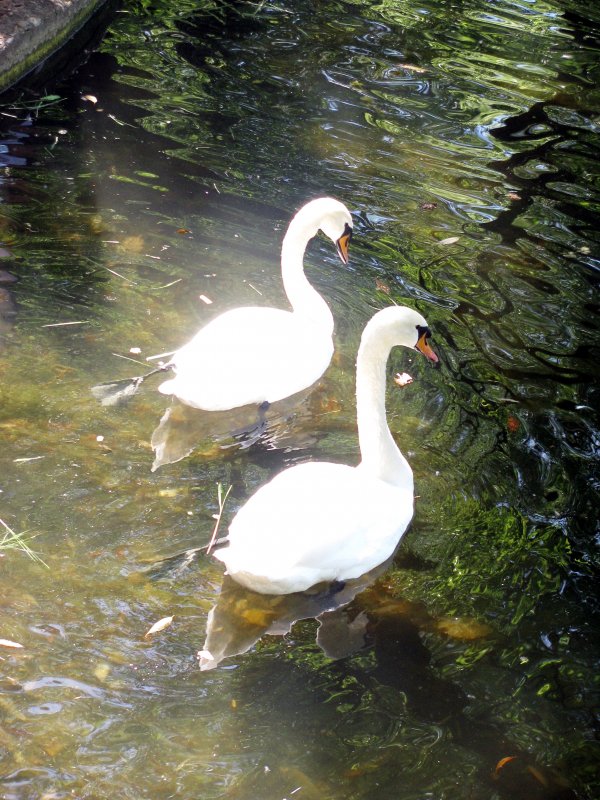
point(211, 126)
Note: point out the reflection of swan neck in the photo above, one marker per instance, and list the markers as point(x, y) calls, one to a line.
point(304, 300)
point(380, 454)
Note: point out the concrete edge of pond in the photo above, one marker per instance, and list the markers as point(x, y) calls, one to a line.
point(34, 32)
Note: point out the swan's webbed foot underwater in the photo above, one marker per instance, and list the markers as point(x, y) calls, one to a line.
point(263, 422)
point(325, 591)
point(250, 434)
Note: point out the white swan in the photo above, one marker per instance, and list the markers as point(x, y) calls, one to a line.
point(260, 354)
point(321, 521)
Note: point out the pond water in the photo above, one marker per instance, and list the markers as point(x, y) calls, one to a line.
point(152, 193)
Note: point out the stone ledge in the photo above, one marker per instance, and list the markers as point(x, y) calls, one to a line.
point(33, 30)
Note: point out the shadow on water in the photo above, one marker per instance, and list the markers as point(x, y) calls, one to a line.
point(241, 617)
point(287, 425)
point(365, 615)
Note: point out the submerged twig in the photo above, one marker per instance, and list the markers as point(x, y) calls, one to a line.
point(222, 500)
point(166, 285)
point(118, 274)
point(128, 358)
point(62, 324)
point(160, 355)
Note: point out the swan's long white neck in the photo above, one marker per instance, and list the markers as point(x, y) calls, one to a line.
point(380, 454)
point(304, 300)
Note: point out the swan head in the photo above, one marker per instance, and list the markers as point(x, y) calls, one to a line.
point(404, 326)
point(419, 329)
point(336, 223)
point(333, 218)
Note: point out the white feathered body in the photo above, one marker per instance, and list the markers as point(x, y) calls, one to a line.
point(316, 522)
point(258, 354)
point(250, 355)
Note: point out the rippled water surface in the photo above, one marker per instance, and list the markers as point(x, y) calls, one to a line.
point(152, 193)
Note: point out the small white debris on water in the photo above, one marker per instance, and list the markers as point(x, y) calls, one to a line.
point(135, 350)
point(450, 240)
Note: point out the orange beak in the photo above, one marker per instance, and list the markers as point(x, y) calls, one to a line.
point(423, 346)
point(343, 242)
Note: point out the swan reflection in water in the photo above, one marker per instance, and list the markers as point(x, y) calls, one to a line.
point(285, 425)
point(241, 617)
point(393, 628)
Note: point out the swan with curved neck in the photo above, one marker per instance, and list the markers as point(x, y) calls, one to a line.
point(321, 521)
point(261, 354)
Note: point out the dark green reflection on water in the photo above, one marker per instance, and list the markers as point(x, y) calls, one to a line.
point(464, 138)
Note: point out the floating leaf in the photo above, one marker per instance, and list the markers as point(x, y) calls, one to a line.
point(402, 379)
point(513, 424)
point(102, 671)
point(159, 626)
point(133, 244)
point(383, 287)
point(90, 98)
point(329, 405)
point(260, 617)
point(428, 206)
point(465, 628)
point(450, 240)
point(8, 643)
point(502, 763)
